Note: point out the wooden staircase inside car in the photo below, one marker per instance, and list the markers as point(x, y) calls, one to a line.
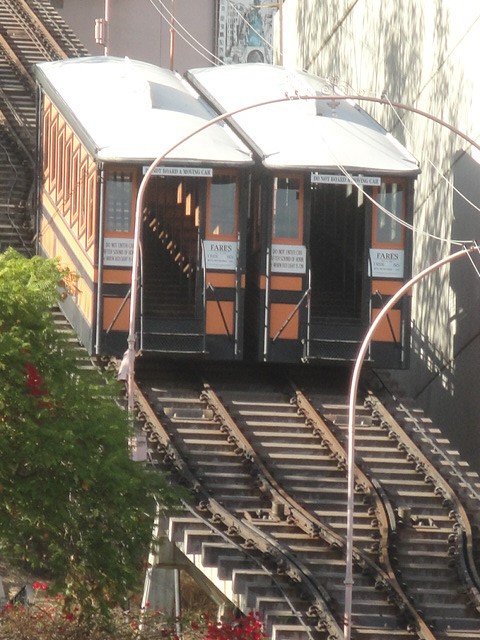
point(168, 281)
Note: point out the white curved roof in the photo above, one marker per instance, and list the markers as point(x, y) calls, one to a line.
point(300, 133)
point(134, 111)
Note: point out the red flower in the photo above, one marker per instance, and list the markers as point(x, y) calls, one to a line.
point(34, 380)
point(34, 383)
point(39, 586)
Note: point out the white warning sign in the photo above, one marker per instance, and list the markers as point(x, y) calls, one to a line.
point(288, 258)
point(118, 252)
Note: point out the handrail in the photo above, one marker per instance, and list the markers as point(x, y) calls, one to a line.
point(287, 321)
point(212, 289)
point(201, 242)
point(390, 326)
point(266, 302)
point(142, 292)
point(306, 351)
point(124, 302)
point(115, 317)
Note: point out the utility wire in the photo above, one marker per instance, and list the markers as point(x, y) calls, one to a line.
point(437, 169)
point(405, 224)
point(210, 55)
point(390, 214)
point(189, 34)
point(168, 21)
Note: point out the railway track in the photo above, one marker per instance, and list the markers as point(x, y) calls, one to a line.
point(265, 459)
point(30, 32)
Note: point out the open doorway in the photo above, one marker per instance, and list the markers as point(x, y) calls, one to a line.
point(338, 228)
point(171, 253)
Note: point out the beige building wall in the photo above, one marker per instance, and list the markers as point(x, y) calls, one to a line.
point(422, 53)
point(141, 29)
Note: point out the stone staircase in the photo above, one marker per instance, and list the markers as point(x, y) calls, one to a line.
point(243, 580)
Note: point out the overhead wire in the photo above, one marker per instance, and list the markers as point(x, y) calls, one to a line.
point(189, 34)
point(208, 55)
point(399, 220)
point(437, 169)
point(169, 18)
point(389, 213)
point(377, 204)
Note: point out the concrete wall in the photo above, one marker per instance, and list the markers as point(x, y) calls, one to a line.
point(423, 54)
point(138, 29)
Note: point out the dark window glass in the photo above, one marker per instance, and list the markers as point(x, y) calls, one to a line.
point(388, 230)
point(119, 202)
point(223, 198)
point(286, 207)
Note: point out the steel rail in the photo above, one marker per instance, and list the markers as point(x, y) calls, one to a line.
point(382, 505)
point(222, 519)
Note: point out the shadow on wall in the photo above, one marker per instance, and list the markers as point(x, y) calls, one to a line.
point(380, 48)
point(366, 48)
point(449, 389)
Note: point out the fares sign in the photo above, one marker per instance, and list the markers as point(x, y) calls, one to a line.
point(386, 263)
point(221, 255)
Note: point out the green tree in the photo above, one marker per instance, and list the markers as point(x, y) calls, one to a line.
point(72, 502)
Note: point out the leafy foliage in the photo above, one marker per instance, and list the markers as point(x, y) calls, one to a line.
point(73, 503)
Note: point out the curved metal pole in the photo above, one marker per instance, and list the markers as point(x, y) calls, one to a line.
point(209, 123)
point(351, 423)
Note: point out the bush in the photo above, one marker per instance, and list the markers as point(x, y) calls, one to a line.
point(47, 619)
point(74, 505)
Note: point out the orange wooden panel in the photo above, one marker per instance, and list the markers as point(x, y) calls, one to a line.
point(217, 279)
point(70, 189)
point(279, 313)
point(48, 241)
point(282, 283)
point(111, 307)
point(286, 283)
point(386, 287)
point(84, 257)
point(384, 330)
point(215, 324)
point(117, 276)
point(83, 295)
